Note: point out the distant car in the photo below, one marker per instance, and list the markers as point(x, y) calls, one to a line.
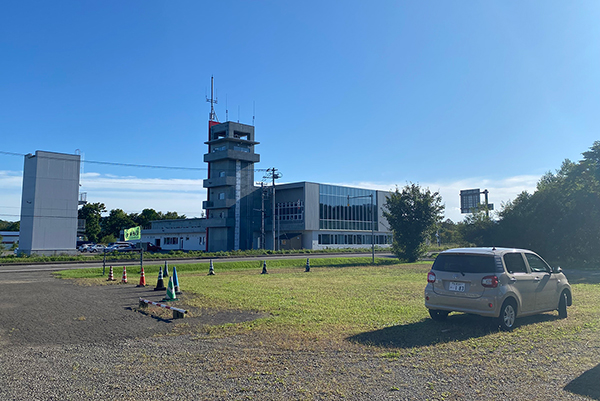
point(85, 247)
point(150, 247)
point(497, 282)
point(96, 248)
point(120, 247)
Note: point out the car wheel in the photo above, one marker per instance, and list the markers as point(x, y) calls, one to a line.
point(438, 315)
point(562, 305)
point(508, 315)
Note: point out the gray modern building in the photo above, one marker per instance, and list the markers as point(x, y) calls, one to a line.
point(240, 215)
point(310, 215)
point(49, 204)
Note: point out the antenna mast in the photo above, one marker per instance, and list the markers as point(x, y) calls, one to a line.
point(212, 116)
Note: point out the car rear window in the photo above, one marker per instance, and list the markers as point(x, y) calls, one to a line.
point(462, 263)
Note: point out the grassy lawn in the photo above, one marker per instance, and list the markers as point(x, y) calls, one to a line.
point(378, 312)
point(347, 298)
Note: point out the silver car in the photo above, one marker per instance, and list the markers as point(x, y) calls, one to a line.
point(501, 283)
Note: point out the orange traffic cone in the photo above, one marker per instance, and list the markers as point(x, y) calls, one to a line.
point(111, 276)
point(124, 279)
point(142, 279)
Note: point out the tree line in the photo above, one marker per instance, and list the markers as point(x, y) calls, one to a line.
point(107, 229)
point(560, 220)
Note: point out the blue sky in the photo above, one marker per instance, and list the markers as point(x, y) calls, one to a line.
point(450, 95)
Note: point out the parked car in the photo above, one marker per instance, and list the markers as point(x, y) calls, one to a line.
point(496, 282)
point(120, 247)
point(85, 247)
point(96, 248)
point(150, 247)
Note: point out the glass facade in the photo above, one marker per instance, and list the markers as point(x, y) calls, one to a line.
point(342, 208)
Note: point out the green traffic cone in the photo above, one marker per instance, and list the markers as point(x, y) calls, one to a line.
point(166, 270)
point(307, 266)
point(264, 270)
point(170, 292)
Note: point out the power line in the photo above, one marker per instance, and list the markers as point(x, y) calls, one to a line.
point(126, 164)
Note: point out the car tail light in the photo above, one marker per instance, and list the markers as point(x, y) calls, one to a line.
point(490, 281)
point(430, 277)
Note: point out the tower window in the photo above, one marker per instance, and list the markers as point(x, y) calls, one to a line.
point(222, 195)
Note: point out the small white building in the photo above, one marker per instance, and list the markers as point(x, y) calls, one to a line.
point(9, 238)
point(179, 234)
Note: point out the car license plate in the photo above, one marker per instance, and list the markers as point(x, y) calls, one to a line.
point(459, 287)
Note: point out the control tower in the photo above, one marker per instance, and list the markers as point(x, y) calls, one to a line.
point(230, 185)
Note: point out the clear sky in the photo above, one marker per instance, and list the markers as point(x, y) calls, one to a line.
point(450, 95)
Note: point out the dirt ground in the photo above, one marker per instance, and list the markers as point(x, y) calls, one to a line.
point(64, 341)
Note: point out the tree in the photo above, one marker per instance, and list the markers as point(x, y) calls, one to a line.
point(116, 221)
point(170, 216)
point(143, 219)
point(413, 214)
point(448, 232)
point(10, 225)
point(91, 213)
point(478, 228)
point(561, 219)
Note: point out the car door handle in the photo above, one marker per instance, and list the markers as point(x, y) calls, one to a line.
point(512, 279)
point(537, 279)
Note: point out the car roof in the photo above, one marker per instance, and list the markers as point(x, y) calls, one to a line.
point(485, 251)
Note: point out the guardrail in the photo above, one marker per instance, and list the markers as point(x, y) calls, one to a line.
point(177, 312)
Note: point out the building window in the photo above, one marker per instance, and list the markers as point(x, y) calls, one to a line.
point(221, 174)
point(221, 195)
point(342, 208)
point(290, 211)
point(171, 241)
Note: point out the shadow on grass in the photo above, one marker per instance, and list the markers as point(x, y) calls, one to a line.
point(588, 384)
point(457, 327)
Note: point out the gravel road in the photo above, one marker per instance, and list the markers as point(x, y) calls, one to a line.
point(62, 341)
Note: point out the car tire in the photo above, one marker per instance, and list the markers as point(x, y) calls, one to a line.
point(438, 315)
point(508, 315)
point(562, 305)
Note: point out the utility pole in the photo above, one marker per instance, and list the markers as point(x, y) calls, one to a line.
point(487, 205)
point(273, 174)
point(262, 215)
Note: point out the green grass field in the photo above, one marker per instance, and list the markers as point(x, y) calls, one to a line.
point(377, 312)
point(346, 298)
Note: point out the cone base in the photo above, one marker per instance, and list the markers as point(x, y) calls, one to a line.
point(160, 289)
point(111, 280)
point(141, 285)
point(169, 300)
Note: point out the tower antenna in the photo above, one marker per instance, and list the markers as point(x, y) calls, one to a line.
point(226, 109)
point(253, 112)
point(213, 100)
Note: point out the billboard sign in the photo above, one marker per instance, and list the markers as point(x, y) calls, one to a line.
point(469, 200)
